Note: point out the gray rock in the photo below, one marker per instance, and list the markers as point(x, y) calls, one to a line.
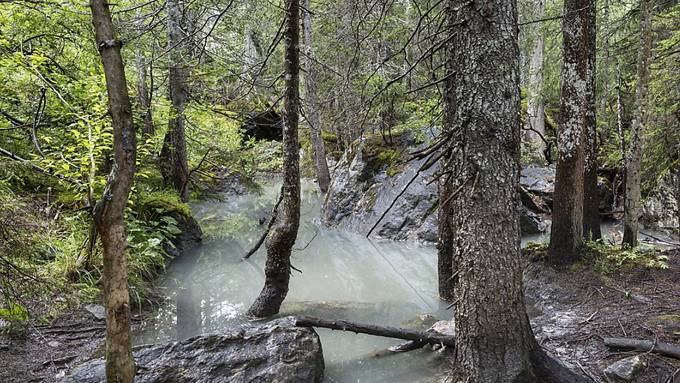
point(97, 311)
point(532, 223)
point(660, 208)
point(625, 369)
point(361, 191)
point(274, 352)
point(538, 179)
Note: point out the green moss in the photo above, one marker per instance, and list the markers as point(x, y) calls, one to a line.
point(168, 201)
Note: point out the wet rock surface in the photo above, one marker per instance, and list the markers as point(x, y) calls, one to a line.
point(363, 188)
point(275, 351)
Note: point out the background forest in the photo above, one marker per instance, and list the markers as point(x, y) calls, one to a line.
point(201, 74)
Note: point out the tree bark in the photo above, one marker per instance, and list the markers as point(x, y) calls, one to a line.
point(621, 133)
point(282, 237)
point(109, 213)
point(173, 157)
point(494, 340)
point(634, 157)
point(143, 94)
point(566, 234)
point(535, 123)
point(445, 244)
point(591, 196)
point(445, 240)
point(318, 148)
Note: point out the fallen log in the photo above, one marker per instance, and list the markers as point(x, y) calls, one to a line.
point(386, 331)
point(662, 348)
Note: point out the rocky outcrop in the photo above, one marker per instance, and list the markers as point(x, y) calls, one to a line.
point(363, 186)
point(274, 352)
point(660, 208)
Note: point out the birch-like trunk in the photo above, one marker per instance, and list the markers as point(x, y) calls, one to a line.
point(173, 157)
point(318, 148)
point(282, 236)
point(109, 212)
point(631, 208)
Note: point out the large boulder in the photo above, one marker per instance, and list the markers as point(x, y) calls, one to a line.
point(660, 208)
point(273, 352)
point(364, 186)
point(366, 181)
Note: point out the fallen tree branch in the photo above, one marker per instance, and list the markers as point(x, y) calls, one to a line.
point(386, 331)
point(272, 219)
point(662, 348)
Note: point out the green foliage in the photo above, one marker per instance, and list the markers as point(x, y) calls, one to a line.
point(609, 259)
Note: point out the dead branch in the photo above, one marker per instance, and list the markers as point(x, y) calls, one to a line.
point(386, 331)
point(662, 348)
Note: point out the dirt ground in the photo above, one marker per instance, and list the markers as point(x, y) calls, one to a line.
point(577, 309)
point(572, 312)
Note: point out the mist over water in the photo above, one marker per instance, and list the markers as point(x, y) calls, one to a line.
point(344, 276)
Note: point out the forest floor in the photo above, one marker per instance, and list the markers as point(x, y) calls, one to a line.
point(577, 308)
point(572, 312)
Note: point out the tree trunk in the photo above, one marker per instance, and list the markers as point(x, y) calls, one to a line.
point(445, 240)
point(494, 340)
point(591, 196)
point(566, 234)
point(173, 157)
point(621, 133)
point(634, 161)
point(282, 236)
point(318, 148)
point(143, 93)
point(109, 212)
point(535, 123)
point(445, 243)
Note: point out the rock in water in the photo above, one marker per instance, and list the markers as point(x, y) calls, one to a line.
point(625, 369)
point(274, 352)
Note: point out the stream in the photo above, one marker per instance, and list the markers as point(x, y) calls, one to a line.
point(344, 276)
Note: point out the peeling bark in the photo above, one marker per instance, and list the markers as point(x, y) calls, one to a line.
point(109, 212)
point(282, 236)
